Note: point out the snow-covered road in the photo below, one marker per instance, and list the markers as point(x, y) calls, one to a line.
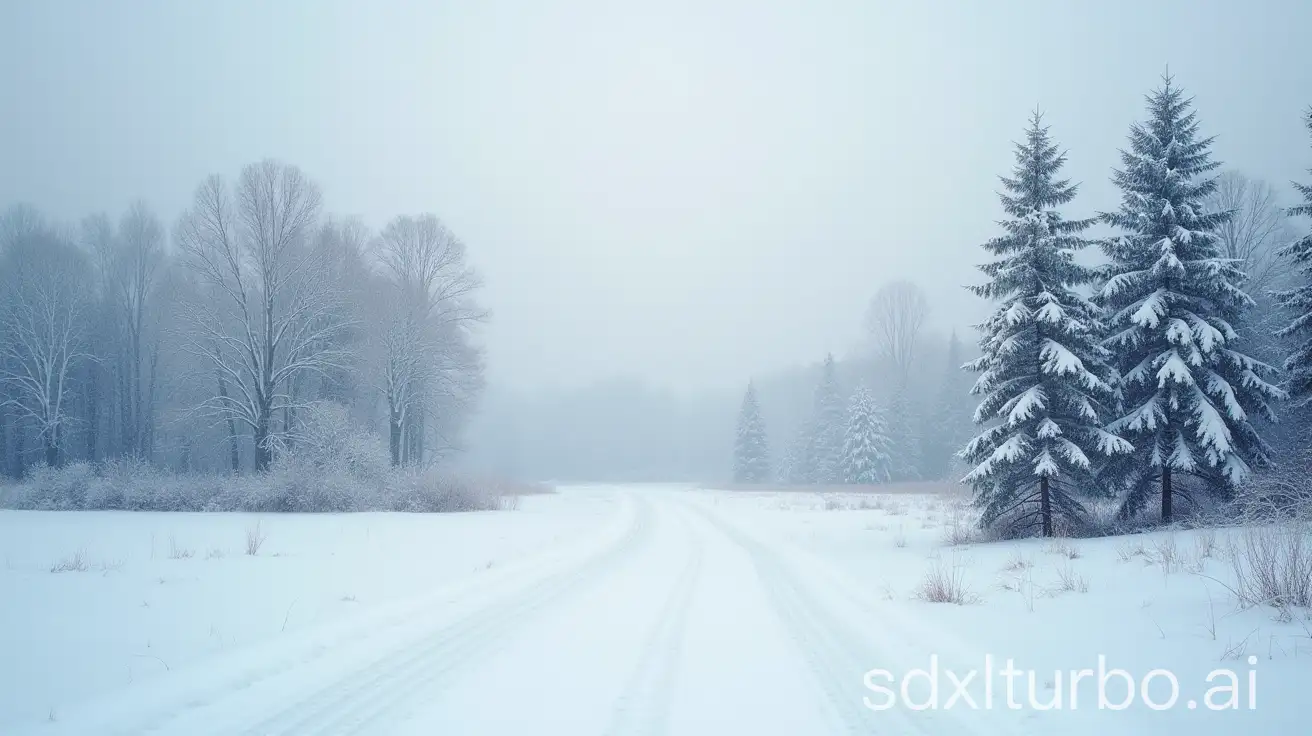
point(670, 615)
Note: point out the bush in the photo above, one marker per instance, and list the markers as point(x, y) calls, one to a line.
point(328, 441)
point(292, 485)
point(1284, 492)
point(1273, 566)
point(54, 489)
point(945, 584)
point(429, 491)
point(329, 465)
point(255, 537)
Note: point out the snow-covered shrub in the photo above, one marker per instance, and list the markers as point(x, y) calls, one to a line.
point(432, 491)
point(327, 439)
point(54, 489)
point(1273, 565)
point(131, 484)
point(76, 562)
point(1070, 581)
point(300, 486)
point(946, 584)
point(1284, 492)
point(329, 465)
point(255, 536)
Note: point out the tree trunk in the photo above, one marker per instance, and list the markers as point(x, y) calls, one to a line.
point(288, 414)
point(263, 452)
point(234, 445)
point(1045, 506)
point(1167, 494)
point(151, 395)
point(134, 394)
point(234, 448)
point(20, 449)
point(52, 448)
point(394, 436)
point(414, 439)
point(128, 440)
point(4, 436)
point(93, 411)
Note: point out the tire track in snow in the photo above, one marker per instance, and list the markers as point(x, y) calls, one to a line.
point(643, 707)
point(899, 629)
point(362, 700)
point(836, 655)
point(355, 706)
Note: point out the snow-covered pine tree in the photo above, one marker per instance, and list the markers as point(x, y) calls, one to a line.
point(1298, 366)
point(1171, 305)
point(799, 463)
point(865, 446)
point(828, 427)
point(751, 450)
point(1044, 375)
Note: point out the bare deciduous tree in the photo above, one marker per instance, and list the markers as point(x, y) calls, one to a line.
point(45, 303)
point(129, 263)
point(422, 344)
point(1254, 234)
point(268, 313)
point(895, 318)
point(19, 221)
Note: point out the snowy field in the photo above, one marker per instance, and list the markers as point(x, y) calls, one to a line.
point(151, 594)
point(620, 610)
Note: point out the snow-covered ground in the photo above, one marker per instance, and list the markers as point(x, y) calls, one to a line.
point(618, 610)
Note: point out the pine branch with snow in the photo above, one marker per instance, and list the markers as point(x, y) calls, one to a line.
point(1044, 376)
point(1188, 394)
point(1298, 301)
point(866, 445)
point(751, 452)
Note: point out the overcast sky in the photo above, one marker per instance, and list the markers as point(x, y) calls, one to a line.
point(687, 191)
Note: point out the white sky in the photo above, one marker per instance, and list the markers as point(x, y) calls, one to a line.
point(686, 192)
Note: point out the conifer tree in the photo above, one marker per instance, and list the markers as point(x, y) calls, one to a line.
point(1188, 393)
point(1044, 375)
point(1298, 366)
point(828, 427)
point(866, 446)
point(799, 463)
point(751, 452)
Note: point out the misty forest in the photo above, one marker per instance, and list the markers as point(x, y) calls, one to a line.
point(257, 334)
point(148, 364)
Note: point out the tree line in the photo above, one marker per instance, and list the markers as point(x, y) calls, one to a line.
point(205, 346)
point(1151, 379)
point(878, 423)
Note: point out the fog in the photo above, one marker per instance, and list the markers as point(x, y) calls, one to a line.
point(683, 194)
